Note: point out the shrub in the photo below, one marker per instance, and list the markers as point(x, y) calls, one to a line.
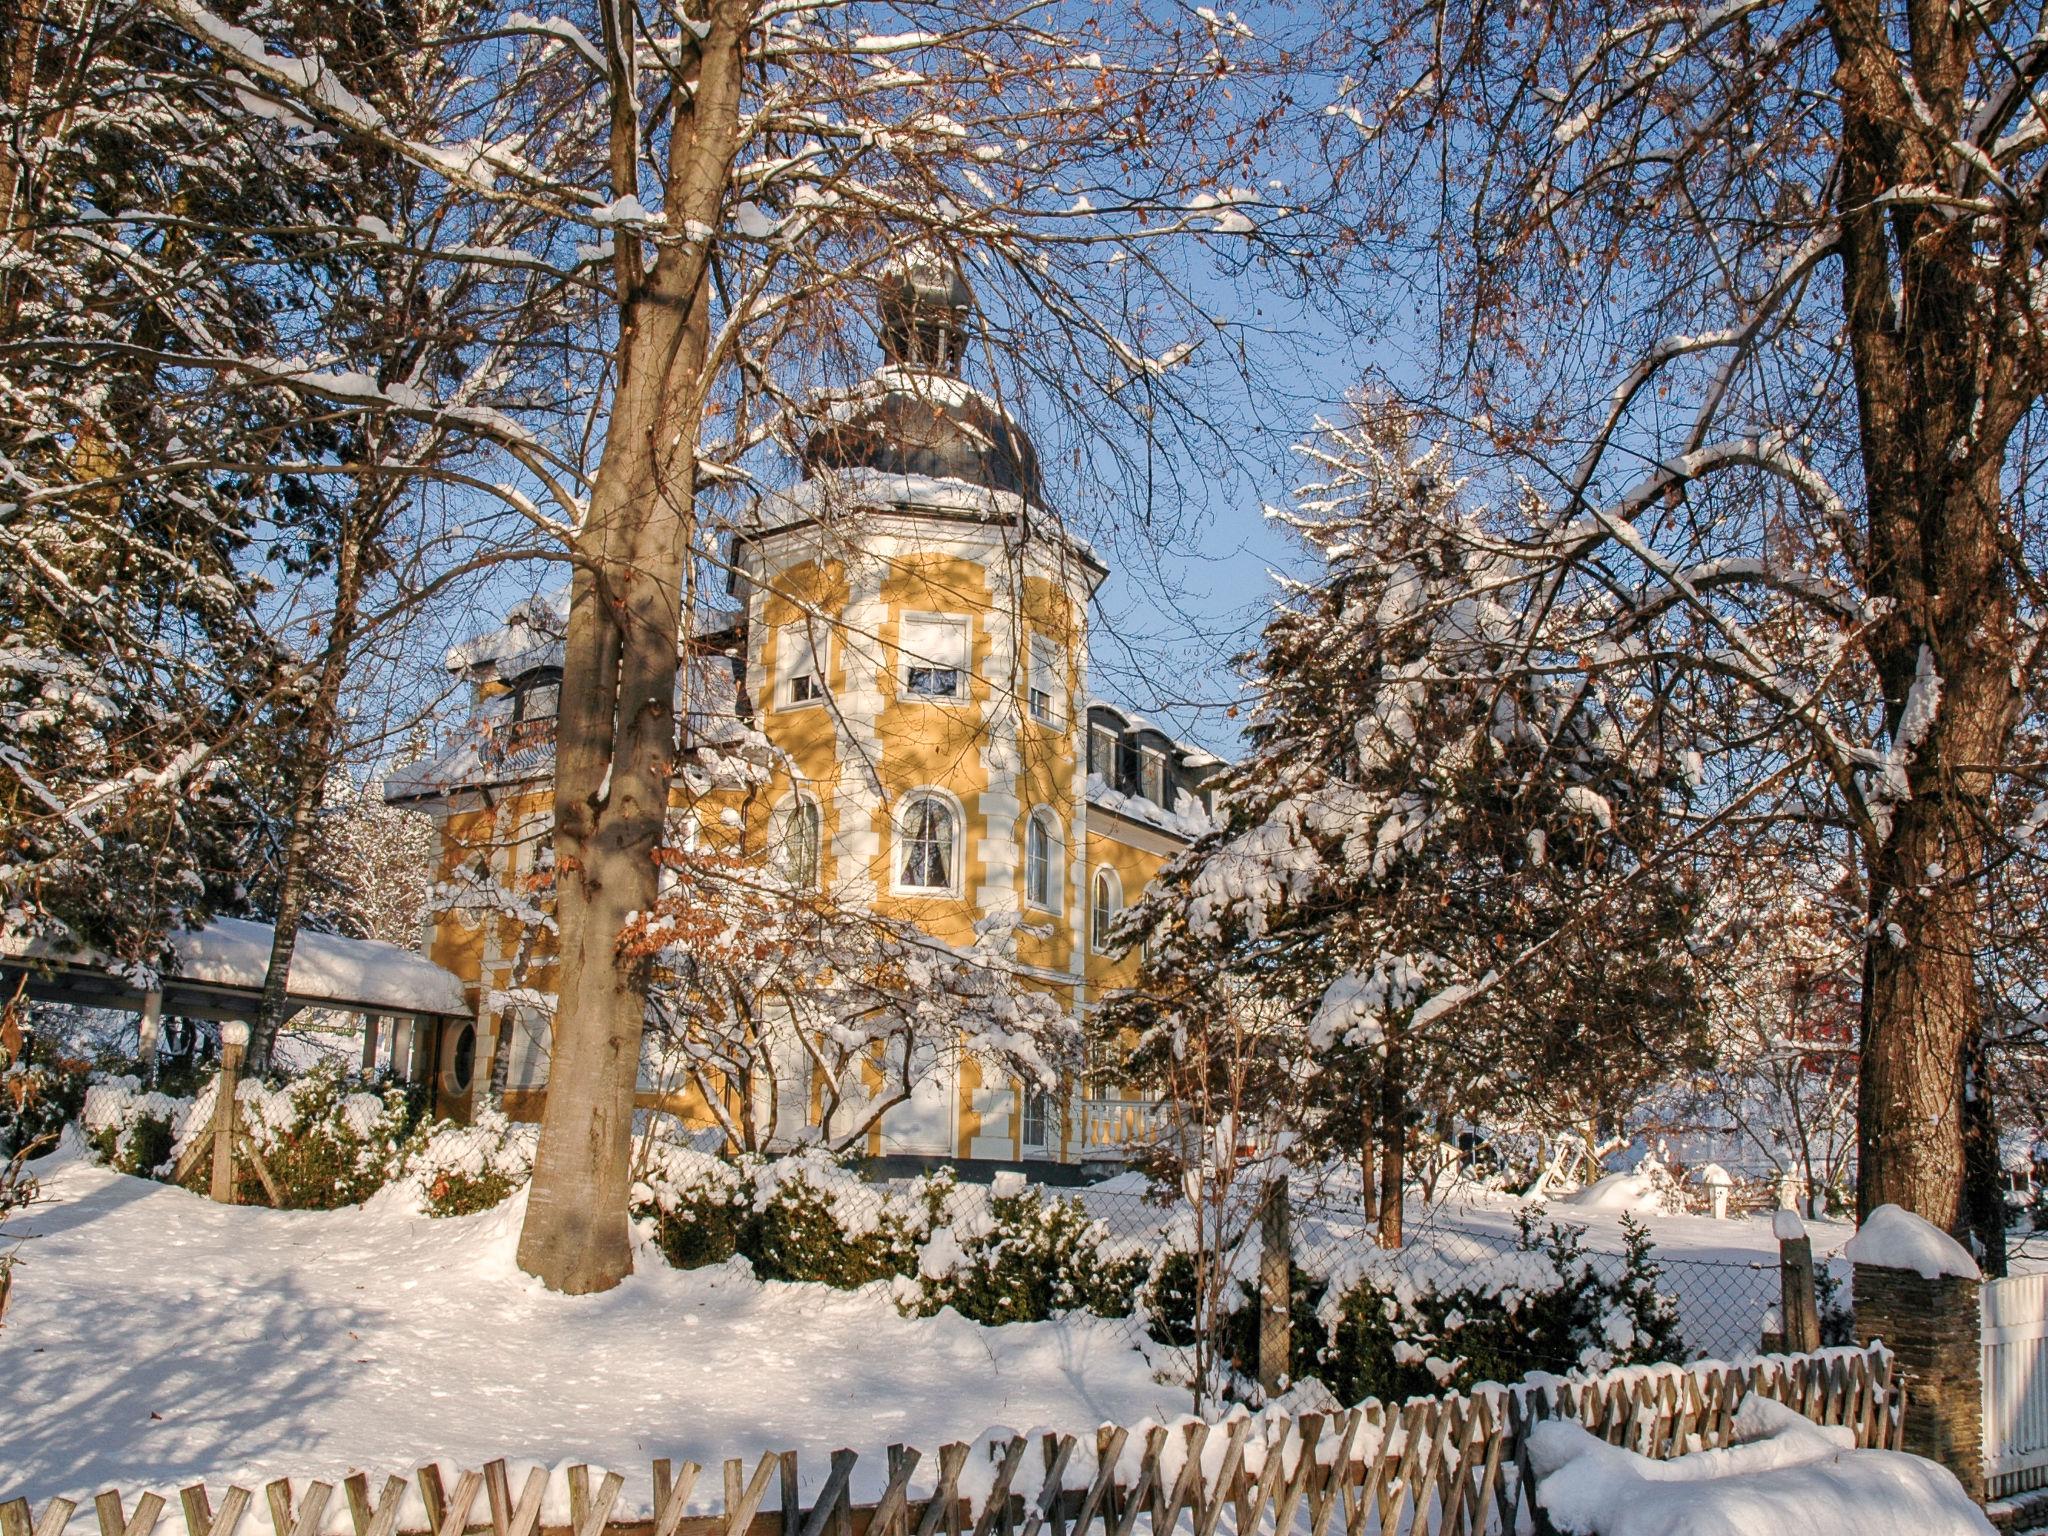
point(326, 1145)
point(1031, 1258)
point(1546, 1307)
point(142, 1145)
point(464, 1169)
point(39, 1095)
point(326, 1142)
point(1172, 1304)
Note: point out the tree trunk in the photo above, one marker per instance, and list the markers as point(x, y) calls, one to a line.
point(1393, 1149)
point(1983, 1170)
point(316, 759)
point(616, 736)
point(1368, 1173)
point(1939, 392)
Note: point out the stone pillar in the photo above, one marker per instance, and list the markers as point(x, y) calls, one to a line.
point(1917, 1290)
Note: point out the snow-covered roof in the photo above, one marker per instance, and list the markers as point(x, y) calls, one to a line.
point(233, 952)
point(860, 487)
point(327, 969)
point(531, 636)
point(496, 749)
point(1191, 756)
point(1187, 819)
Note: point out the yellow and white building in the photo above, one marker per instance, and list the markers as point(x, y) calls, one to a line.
point(906, 665)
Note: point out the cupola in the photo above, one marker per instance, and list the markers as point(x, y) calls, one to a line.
point(917, 416)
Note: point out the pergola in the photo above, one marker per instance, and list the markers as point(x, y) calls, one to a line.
point(218, 975)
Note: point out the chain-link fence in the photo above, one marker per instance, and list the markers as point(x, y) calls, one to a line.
point(1220, 1285)
point(1474, 1293)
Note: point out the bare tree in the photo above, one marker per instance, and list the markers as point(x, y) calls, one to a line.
point(761, 164)
point(1748, 296)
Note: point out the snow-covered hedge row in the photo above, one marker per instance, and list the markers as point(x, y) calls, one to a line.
point(326, 1141)
point(993, 1257)
point(1383, 1324)
point(1414, 1322)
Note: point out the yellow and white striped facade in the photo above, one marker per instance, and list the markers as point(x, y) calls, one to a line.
point(912, 650)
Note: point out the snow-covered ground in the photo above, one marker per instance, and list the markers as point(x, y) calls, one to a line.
point(155, 1339)
point(1783, 1475)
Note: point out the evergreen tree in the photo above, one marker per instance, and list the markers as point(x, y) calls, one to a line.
point(1446, 905)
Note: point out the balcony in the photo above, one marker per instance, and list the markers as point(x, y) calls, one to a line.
point(1120, 1128)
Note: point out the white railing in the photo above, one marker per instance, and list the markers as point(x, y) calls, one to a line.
point(1119, 1127)
point(2016, 1385)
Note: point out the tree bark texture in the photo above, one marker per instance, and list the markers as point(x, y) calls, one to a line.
point(1939, 393)
point(616, 738)
point(1393, 1148)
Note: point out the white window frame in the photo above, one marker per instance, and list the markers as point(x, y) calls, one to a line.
point(1042, 685)
point(802, 640)
point(1103, 736)
point(962, 670)
point(1041, 823)
point(1097, 937)
point(899, 844)
point(1044, 1108)
point(1151, 760)
point(800, 804)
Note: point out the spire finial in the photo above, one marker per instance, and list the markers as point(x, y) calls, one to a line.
point(924, 307)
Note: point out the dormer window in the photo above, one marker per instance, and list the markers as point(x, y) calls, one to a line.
point(1153, 782)
point(935, 656)
point(537, 701)
point(1126, 781)
point(1102, 754)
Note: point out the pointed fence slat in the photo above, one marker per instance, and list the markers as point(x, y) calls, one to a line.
point(1450, 1466)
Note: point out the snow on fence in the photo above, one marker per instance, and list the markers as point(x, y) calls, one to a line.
point(1451, 1466)
point(2015, 1384)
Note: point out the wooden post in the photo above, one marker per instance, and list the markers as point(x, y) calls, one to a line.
point(1798, 1307)
point(146, 1033)
point(1276, 1299)
point(370, 1023)
point(402, 1033)
point(234, 1042)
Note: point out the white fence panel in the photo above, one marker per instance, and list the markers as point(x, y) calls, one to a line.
point(2016, 1384)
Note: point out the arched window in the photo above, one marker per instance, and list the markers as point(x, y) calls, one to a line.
point(928, 837)
point(1041, 854)
point(1106, 902)
point(801, 842)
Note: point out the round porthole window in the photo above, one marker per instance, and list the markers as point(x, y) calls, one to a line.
point(462, 1060)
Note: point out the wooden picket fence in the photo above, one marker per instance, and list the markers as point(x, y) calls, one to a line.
point(1451, 1466)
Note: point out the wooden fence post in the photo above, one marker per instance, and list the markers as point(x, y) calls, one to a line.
point(1798, 1308)
point(1276, 1298)
point(234, 1041)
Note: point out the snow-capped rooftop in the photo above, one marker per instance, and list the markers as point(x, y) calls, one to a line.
point(326, 968)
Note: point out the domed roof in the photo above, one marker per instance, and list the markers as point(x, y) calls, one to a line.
point(917, 416)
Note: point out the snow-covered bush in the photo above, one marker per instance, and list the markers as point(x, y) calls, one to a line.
point(1025, 1257)
point(993, 1258)
point(1173, 1304)
point(801, 1217)
point(39, 1094)
point(326, 1142)
point(1392, 1332)
point(463, 1169)
point(131, 1129)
